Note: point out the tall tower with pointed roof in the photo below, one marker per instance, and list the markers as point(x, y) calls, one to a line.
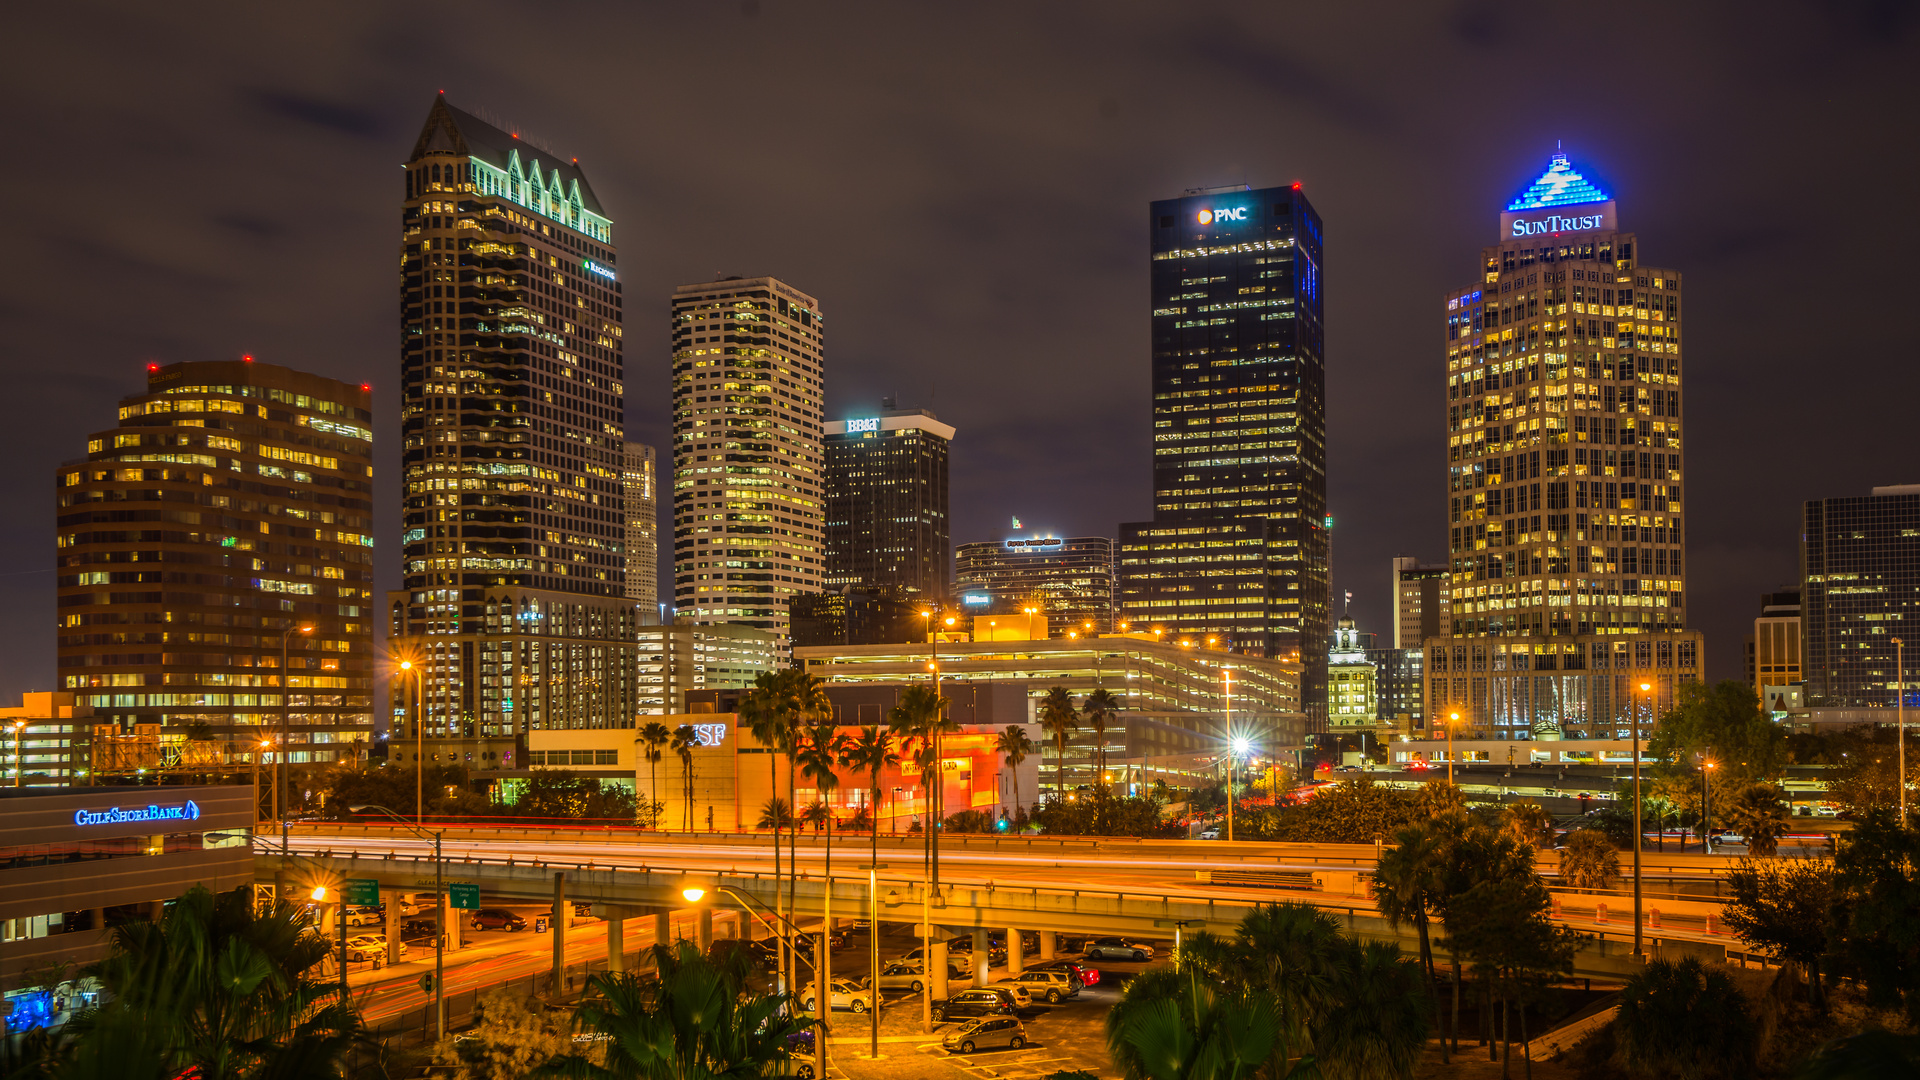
point(1566, 523)
point(513, 450)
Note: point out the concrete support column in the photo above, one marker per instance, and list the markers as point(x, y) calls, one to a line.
point(616, 940)
point(393, 928)
point(937, 971)
point(558, 925)
point(1048, 942)
point(1016, 952)
point(663, 927)
point(703, 930)
point(982, 965)
point(456, 926)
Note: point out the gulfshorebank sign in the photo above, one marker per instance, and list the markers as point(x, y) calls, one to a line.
point(117, 815)
point(1585, 217)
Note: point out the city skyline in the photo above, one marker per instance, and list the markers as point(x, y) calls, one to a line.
point(1397, 248)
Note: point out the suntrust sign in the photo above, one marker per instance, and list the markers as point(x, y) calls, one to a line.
point(1586, 217)
point(118, 815)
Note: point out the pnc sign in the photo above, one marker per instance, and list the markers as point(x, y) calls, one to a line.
point(1586, 217)
point(1223, 213)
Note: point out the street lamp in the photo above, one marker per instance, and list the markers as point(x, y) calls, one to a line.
point(1639, 953)
point(1235, 747)
point(1226, 692)
point(1900, 718)
point(419, 743)
point(440, 908)
point(1706, 806)
point(340, 920)
point(282, 773)
point(694, 893)
point(1453, 718)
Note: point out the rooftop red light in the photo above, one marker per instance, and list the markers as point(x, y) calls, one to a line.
point(153, 367)
point(1296, 185)
point(366, 388)
point(247, 357)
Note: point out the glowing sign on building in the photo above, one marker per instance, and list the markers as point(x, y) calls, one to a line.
point(115, 815)
point(871, 423)
point(1223, 213)
point(1542, 209)
point(1037, 544)
point(976, 598)
point(710, 734)
point(596, 268)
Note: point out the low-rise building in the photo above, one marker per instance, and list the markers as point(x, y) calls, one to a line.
point(46, 739)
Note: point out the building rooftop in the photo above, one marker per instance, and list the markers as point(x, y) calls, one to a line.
point(452, 130)
point(1560, 185)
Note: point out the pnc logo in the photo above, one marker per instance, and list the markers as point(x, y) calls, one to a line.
point(1235, 213)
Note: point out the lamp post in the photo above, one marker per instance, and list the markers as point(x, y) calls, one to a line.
point(1639, 952)
point(1706, 806)
point(283, 773)
point(1453, 719)
point(1226, 691)
point(1900, 719)
point(440, 907)
point(693, 894)
point(340, 922)
point(258, 753)
point(1235, 747)
point(419, 745)
point(873, 952)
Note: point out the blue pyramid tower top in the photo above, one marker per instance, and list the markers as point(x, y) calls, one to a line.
point(1560, 185)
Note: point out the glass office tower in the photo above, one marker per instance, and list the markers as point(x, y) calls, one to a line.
point(1860, 559)
point(1237, 548)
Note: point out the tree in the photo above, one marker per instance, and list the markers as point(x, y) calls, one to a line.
point(1866, 770)
point(1439, 796)
point(1015, 746)
point(1356, 811)
point(825, 748)
point(1759, 813)
point(1406, 881)
point(1193, 1033)
point(1783, 909)
point(563, 793)
point(218, 991)
point(774, 813)
point(1589, 860)
point(1877, 910)
point(1684, 1019)
point(511, 1036)
point(1502, 926)
point(693, 1023)
point(653, 737)
point(870, 752)
point(1100, 708)
point(1723, 723)
point(1529, 823)
point(922, 715)
point(683, 742)
point(1380, 1022)
point(1059, 720)
point(1292, 953)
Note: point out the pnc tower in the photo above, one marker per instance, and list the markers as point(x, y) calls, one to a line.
point(1237, 548)
point(513, 503)
point(1565, 523)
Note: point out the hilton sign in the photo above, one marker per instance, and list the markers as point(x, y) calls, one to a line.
point(1585, 217)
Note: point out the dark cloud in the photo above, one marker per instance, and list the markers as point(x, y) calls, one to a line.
point(967, 194)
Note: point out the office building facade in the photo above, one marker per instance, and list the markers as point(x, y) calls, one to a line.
point(1400, 689)
point(230, 506)
point(1773, 652)
point(849, 616)
point(683, 656)
point(1564, 437)
point(514, 504)
point(643, 531)
point(887, 503)
point(1352, 682)
point(1071, 581)
point(1420, 600)
point(748, 470)
point(1237, 548)
point(1860, 589)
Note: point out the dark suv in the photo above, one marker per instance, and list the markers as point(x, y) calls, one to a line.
point(493, 918)
point(971, 1003)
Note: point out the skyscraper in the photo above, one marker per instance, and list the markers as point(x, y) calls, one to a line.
point(748, 496)
point(887, 503)
point(230, 507)
point(1237, 547)
point(514, 506)
point(1860, 562)
point(1564, 471)
point(643, 531)
point(1419, 601)
point(1069, 580)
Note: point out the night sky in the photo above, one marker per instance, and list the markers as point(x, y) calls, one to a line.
point(965, 188)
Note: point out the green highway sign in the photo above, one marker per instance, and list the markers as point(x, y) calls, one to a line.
point(362, 892)
point(464, 894)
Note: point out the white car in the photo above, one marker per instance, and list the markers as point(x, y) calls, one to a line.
point(371, 947)
point(365, 916)
point(1113, 948)
point(911, 975)
point(963, 961)
point(841, 994)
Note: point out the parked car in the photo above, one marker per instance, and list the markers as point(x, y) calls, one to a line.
point(962, 945)
point(366, 916)
point(987, 1033)
point(420, 926)
point(1113, 948)
point(902, 975)
point(963, 961)
point(362, 947)
point(841, 994)
point(968, 1004)
point(1053, 987)
point(493, 918)
point(1022, 998)
point(1077, 974)
point(1211, 832)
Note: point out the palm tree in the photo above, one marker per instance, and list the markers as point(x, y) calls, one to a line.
point(684, 740)
point(692, 1023)
point(1589, 860)
point(870, 752)
point(653, 736)
point(1759, 815)
point(1381, 1022)
point(1016, 746)
point(922, 715)
point(1406, 881)
point(1529, 823)
point(774, 813)
point(1291, 952)
point(215, 990)
point(824, 748)
point(816, 814)
point(1684, 1019)
point(1174, 1025)
point(1059, 720)
point(1099, 708)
